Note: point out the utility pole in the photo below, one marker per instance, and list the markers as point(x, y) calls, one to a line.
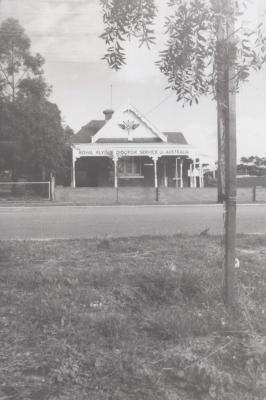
point(230, 159)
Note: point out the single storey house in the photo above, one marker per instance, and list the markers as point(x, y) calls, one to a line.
point(125, 149)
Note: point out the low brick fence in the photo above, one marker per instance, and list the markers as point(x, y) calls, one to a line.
point(102, 195)
point(187, 195)
point(207, 195)
point(136, 195)
point(260, 194)
point(148, 195)
point(250, 181)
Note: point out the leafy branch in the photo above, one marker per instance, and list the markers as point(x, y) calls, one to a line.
point(196, 54)
point(124, 19)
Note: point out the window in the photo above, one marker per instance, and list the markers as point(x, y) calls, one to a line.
point(130, 167)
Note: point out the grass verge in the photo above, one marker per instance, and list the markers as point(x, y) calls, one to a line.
point(136, 318)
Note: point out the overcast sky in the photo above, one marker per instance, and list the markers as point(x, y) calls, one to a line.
point(66, 33)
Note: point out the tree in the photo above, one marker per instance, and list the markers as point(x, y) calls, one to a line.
point(197, 51)
point(32, 138)
point(20, 71)
point(11, 122)
point(64, 169)
point(253, 165)
point(42, 139)
point(204, 55)
point(31, 132)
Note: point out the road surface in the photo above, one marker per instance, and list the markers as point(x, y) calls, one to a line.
point(87, 222)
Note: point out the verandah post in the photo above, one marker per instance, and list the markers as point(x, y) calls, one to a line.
point(115, 172)
point(115, 161)
point(190, 176)
point(155, 159)
point(165, 173)
point(201, 183)
point(181, 173)
point(194, 173)
point(176, 173)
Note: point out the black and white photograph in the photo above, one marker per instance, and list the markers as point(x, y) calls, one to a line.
point(132, 199)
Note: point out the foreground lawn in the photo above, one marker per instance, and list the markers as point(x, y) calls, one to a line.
point(131, 319)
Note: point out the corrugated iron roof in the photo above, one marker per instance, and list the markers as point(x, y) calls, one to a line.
point(176, 137)
point(87, 131)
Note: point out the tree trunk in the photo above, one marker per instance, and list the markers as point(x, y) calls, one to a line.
point(226, 126)
point(221, 100)
point(229, 118)
point(13, 74)
point(221, 161)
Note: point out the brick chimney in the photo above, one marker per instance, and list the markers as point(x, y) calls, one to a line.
point(108, 114)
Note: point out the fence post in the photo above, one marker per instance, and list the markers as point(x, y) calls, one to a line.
point(254, 193)
point(52, 187)
point(156, 194)
point(49, 190)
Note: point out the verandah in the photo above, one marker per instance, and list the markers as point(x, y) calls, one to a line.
point(139, 167)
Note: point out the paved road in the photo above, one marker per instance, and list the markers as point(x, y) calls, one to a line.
point(75, 222)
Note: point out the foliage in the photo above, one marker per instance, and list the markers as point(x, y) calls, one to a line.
point(197, 48)
point(255, 160)
point(31, 133)
point(124, 19)
point(10, 125)
point(44, 136)
point(63, 170)
point(32, 138)
point(252, 165)
point(20, 72)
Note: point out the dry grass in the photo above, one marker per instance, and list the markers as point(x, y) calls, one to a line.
point(136, 318)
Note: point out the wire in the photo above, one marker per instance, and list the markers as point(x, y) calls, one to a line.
point(159, 104)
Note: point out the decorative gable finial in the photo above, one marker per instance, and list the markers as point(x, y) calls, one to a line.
point(128, 119)
point(129, 126)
